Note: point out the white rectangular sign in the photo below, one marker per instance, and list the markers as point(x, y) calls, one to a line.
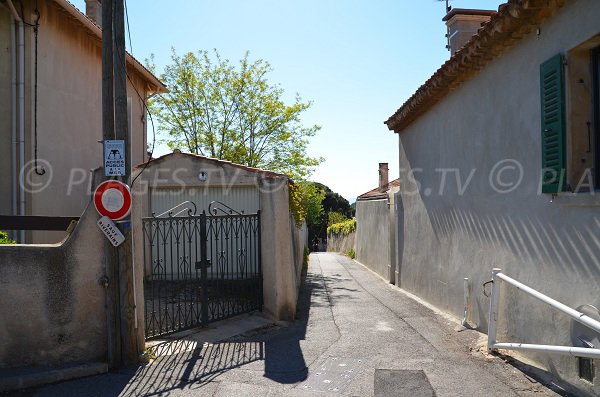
point(114, 158)
point(110, 230)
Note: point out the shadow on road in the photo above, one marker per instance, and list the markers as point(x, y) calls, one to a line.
point(274, 350)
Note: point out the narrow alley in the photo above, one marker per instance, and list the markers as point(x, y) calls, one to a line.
point(355, 335)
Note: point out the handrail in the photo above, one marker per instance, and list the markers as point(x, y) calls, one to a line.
point(582, 318)
point(169, 212)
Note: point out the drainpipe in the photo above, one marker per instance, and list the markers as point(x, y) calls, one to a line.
point(21, 106)
point(13, 121)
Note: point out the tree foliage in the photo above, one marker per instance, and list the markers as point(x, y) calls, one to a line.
point(232, 113)
point(334, 217)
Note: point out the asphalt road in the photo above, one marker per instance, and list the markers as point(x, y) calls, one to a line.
point(355, 335)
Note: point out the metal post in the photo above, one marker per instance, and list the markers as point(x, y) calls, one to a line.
point(495, 299)
point(203, 267)
point(261, 296)
point(467, 302)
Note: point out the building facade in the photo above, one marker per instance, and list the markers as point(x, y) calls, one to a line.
point(499, 156)
point(50, 108)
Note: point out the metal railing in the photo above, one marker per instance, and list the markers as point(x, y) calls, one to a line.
point(497, 276)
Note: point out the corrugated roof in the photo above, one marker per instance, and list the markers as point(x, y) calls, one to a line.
point(511, 23)
point(379, 193)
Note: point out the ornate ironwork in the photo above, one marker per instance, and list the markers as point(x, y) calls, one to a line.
point(216, 207)
point(200, 269)
point(185, 206)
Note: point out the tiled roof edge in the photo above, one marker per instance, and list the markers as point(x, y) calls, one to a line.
point(511, 23)
point(214, 160)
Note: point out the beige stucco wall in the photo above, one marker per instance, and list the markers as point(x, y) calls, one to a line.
point(491, 122)
point(280, 240)
point(53, 306)
point(68, 114)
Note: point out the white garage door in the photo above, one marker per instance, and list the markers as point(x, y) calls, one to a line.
point(242, 199)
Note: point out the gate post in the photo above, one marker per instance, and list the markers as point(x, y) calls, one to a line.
point(258, 230)
point(204, 268)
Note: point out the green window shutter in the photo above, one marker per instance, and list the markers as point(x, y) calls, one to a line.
point(553, 125)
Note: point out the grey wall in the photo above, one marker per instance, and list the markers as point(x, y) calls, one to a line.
point(490, 122)
point(53, 308)
point(341, 243)
point(373, 236)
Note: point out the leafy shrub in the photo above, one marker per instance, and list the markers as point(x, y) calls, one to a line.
point(351, 253)
point(306, 253)
point(344, 228)
point(4, 239)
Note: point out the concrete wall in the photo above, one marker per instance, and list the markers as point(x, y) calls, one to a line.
point(53, 307)
point(341, 243)
point(282, 244)
point(487, 133)
point(68, 114)
point(373, 236)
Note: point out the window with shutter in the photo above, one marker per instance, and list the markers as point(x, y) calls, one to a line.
point(553, 125)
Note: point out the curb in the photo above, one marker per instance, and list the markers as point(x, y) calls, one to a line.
point(45, 376)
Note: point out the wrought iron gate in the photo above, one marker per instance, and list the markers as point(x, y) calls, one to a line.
point(200, 268)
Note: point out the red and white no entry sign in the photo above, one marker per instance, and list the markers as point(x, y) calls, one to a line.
point(113, 199)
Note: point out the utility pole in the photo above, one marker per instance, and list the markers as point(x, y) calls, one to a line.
point(123, 348)
point(108, 133)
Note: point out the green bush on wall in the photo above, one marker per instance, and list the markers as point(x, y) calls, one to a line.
point(345, 227)
point(4, 238)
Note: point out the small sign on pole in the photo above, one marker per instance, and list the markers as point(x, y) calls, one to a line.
point(110, 230)
point(114, 158)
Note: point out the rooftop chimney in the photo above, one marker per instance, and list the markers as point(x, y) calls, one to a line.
point(383, 176)
point(93, 10)
point(463, 24)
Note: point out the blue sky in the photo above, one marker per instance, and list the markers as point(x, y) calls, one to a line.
point(357, 60)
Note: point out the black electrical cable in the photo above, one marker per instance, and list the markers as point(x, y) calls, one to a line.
point(124, 69)
point(128, 30)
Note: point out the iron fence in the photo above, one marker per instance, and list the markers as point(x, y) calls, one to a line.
point(200, 269)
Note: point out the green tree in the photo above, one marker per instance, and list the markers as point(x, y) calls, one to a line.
point(334, 217)
point(233, 113)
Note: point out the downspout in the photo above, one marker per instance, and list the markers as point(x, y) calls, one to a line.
point(13, 121)
point(21, 107)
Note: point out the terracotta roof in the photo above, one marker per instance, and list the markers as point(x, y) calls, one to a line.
point(511, 23)
point(270, 174)
point(377, 193)
point(91, 26)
